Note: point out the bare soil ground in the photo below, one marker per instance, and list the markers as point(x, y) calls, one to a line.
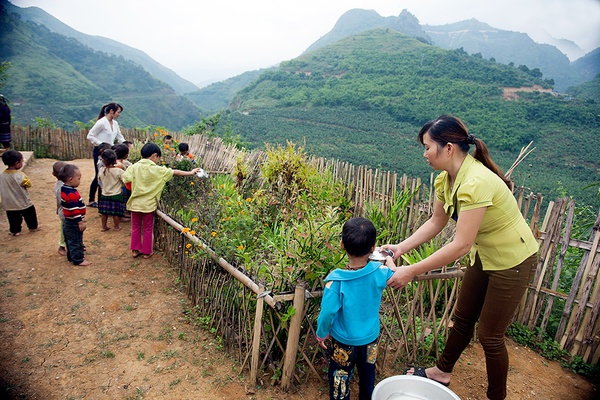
point(115, 329)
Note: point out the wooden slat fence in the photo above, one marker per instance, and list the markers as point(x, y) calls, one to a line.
point(414, 320)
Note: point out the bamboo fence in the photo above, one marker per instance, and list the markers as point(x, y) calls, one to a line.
point(272, 334)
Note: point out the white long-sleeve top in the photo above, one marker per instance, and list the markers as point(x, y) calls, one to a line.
point(102, 132)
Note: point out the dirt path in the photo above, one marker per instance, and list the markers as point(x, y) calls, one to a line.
point(115, 329)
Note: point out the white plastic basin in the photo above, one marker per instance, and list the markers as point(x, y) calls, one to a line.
point(408, 387)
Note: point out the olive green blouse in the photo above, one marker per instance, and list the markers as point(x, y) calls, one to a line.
point(504, 239)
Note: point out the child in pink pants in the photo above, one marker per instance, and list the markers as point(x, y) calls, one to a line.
point(147, 180)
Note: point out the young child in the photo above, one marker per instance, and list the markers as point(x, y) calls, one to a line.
point(14, 194)
point(147, 182)
point(101, 147)
point(184, 153)
point(350, 311)
point(122, 151)
point(74, 212)
point(56, 167)
point(111, 199)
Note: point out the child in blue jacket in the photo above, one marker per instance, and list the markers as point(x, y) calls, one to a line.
point(350, 311)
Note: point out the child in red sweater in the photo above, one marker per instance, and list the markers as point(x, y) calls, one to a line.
point(74, 212)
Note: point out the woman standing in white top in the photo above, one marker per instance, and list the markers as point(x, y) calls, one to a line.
point(105, 130)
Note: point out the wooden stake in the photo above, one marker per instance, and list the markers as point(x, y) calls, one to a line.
point(291, 347)
point(260, 299)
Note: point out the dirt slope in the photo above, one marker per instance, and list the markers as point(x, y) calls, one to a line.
point(115, 329)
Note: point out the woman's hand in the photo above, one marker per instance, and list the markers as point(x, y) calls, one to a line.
point(402, 276)
point(395, 248)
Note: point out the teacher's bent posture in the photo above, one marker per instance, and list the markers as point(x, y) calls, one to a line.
point(474, 192)
point(105, 130)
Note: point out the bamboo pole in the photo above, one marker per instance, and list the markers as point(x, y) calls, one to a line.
point(564, 242)
point(237, 274)
point(590, 272)
point(256, 339)
point(566, 314)
point(293, 337)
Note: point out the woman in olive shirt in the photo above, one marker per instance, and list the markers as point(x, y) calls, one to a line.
point(474, 192)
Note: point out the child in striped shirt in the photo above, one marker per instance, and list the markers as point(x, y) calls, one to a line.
point(74, 212)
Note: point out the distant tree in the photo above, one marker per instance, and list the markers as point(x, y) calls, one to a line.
point(536, 73)
point(45, 123)
point(524, 68)
point(85, 125)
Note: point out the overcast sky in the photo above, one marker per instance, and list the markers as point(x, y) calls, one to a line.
point(205, 41)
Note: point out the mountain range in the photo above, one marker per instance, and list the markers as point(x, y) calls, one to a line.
point(472, 36)
point(368, 84)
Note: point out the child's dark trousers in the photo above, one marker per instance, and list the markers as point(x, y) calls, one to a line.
point(15, 219)
point(342, 361)
point(74, 241)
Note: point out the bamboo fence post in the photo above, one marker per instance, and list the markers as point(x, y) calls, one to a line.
point(256, 338)
point(590, 272)
point(566, 314)
point(588, 335)
point(291, 347)
point(547, 256)
point(564, 243)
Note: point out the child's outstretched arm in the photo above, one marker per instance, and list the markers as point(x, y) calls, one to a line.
point(178, 172)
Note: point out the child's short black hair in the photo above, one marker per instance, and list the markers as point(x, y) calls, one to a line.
point(122, 150)
point(109, 157)
point(184, 147)
point(11, 157)
point(56, 167)
point(66, 172)
point(149, 149)
point(358, 236)
point(103, 146)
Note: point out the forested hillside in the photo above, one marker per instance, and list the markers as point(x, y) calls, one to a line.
point(59, 79)
point(99, 43)
point(589, 65)
point(363, 99)
point(216, 96)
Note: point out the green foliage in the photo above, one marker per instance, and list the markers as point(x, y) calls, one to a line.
point(421, 252)
point(84, 125)
point(388, 220)
point(286, 171)
point(205, 126)
point(277, 236)
point(214, 126)
point(588, 90)
point(46, 123)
